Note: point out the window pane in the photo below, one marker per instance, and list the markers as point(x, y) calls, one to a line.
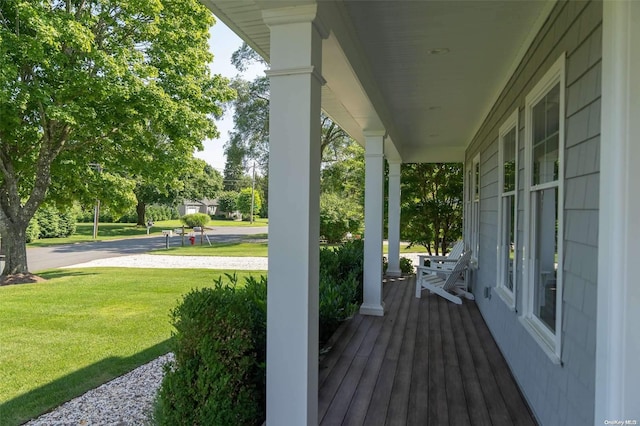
point(546, 131)
point(546, 255)
point(508, 239)
point(477, 181)
point(509, 166)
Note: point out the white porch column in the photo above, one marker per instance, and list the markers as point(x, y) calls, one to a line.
point(294, 194)
point(373, 223)
point(393, 270)
point(618, 340)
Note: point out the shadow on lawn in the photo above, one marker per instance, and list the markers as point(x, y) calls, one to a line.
point(45, 398)
point(61, 273)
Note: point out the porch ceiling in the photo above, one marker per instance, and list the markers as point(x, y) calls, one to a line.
point(381, 72)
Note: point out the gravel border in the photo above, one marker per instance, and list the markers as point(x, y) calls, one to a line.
point(126, 400)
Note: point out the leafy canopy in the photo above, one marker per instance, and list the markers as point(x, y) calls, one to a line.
point(124, 84)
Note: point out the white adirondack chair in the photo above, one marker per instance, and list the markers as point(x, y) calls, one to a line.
point(445, 283)
point(445, 263)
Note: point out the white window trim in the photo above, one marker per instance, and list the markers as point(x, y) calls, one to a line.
point(550, 342)
point(475, 230)
point(508, 296)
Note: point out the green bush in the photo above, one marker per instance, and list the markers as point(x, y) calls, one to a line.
point(227, 201)
point(33, 230)
point(243, 202)
point(217, 377)
point(337, 217)
point(406, 266)
point(50, 222)
point(195, 219)
point(341, 277)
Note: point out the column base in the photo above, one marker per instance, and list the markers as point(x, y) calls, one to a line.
point(373, 310)
point(393, 273)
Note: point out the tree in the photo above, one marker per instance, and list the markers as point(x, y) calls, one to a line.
point(244, 201)
point(124, 84)
point(432, 204)
point(227, 201)
point(197, 180)
point(338, 216)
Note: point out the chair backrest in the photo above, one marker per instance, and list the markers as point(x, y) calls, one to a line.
point(457, 270)
point(456, 250)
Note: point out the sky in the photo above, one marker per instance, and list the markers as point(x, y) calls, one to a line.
point(222, 43)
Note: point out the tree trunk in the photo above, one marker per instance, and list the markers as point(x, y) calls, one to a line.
point(15, 245)
point(141, 210)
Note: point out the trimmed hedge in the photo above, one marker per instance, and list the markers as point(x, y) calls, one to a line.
point(217, 377)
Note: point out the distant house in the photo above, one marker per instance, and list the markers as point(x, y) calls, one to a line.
point(205, 205)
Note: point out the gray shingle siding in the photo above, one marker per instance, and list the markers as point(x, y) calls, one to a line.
point(558, 394)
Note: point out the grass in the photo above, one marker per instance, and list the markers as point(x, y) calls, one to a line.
point(231, 249)
point(112, 231)
point(82, 328)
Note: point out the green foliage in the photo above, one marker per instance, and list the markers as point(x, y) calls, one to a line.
point(217, 377)
point(406, 266)
point(33, 231)
point(341, 277)
point(338, 216)
point(227, 201)
point(50, 222)
point(243, 202)
point(125, 84)
point(431, 211)
point(195, 219)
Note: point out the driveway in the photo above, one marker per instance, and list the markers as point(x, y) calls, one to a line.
point(40, 258)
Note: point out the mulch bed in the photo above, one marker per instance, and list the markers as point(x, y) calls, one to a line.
point(20, 279)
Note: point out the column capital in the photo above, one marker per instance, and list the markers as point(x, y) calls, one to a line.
point(295, 15)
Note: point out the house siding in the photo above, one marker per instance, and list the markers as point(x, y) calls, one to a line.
point(557, 394)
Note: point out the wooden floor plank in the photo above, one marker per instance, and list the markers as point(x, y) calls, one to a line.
point(479, 416)
point(336, 345)
point(362, 397)
point(494, 402)
point(426, 362)
point(341, 368)
point(456, 402)
point(419, 395)
point(381, 396)
point(438, 410)
point(514, 401)
point(398, 411)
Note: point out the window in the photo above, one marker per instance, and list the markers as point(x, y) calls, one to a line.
point(507, 209)
point(544, 188)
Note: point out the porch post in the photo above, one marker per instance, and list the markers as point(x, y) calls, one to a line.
point(393, 270)
point(617, 338)
point(294, 193)
point(373, 222)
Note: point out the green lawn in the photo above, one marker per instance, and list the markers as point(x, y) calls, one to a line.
point(234, 249)
point(112, 231)
point(82, 328)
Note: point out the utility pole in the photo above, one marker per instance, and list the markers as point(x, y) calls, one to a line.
point(253, 188)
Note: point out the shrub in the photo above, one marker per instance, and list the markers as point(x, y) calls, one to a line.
point(217, 377)
point(195, 219)
point(227, 201)
point(406, 266)
point(33, 230)
point(341, 276)
point(337, 217)
point(243, 202)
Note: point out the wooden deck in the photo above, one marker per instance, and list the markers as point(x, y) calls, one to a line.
point(426, 362)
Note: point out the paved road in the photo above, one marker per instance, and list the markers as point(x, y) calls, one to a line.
point(40, 258)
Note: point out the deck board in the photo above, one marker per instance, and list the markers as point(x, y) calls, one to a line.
point(426, 362)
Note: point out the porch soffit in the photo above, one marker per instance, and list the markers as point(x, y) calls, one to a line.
point(380, 73)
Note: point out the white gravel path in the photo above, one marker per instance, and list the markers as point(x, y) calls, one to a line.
point(165, 261)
